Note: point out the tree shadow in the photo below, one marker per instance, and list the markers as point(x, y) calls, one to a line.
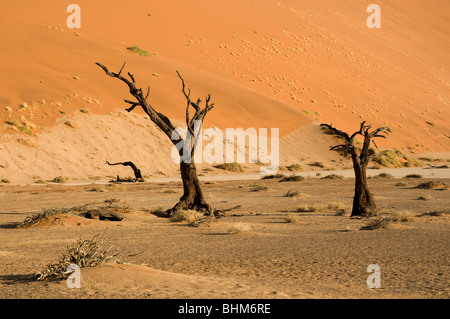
point(15, 279)
point(9, 225)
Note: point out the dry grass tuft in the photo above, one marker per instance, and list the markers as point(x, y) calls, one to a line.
point(402, 216)
point(239, 228)
point(192, 217)
point(306, 209)
point(291, 218)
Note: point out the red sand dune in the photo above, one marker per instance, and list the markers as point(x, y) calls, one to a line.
point(265, 64)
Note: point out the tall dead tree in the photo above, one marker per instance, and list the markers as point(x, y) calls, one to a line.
point(363, 202)
point(193, 197)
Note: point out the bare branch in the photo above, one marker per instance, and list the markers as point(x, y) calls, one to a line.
point(163, 123)
point(337, 132)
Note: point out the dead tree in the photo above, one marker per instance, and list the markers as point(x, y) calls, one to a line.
point(137, 171)
point(192, 193)
point(363, 201)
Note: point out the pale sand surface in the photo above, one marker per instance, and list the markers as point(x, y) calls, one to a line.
point(319, 256)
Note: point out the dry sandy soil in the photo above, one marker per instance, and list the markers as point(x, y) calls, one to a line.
point(251, 252)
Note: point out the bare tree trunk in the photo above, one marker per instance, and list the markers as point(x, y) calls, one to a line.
point(363, 202)
point(192, 193)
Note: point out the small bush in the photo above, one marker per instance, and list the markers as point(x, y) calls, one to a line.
point(425, 197)
point(273, 176)
point(85, 253)
point(292, 178)
point(378, 223)
point(383, 175)
point(333, 176)
point(59, 179)
point(294, 167)
point(232, 167)
point(413, 176)
point(306, 209)
point(25, 130)
point(5, 180)
point(190, 216)
point(70, 124)
point(138, 51)
point(318, 164)
point(258, 188)
point(432, 185)
point(290, 218)
point(292, 193)
point(401, 184)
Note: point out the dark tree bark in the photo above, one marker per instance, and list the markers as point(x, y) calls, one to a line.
point(363, 202)
point(192, 193)
point(137, 171)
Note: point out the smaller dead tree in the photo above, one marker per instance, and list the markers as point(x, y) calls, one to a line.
point(363, 201)
point(137, 171)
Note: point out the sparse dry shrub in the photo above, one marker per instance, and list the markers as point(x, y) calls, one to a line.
point(401, 184)
point(84, 253)
point(335, 206)
point(294, 167)
point(318, 164)
point(292, 193)
point(378, 223)
point(232, 167)
point(60, 179)
point(258, 188)
point(188, 215)
point(292, 178)
point(47, 213)
point(333, 176)
point(383, 175)
point(413, 176)
point(307, 209)
point(425, 197)
point(432, 185)
point(273, 176)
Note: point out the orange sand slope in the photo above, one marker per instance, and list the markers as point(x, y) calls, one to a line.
point(266, 64)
